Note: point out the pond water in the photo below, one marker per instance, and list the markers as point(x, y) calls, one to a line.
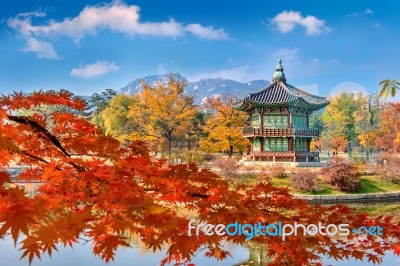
point(81, 254)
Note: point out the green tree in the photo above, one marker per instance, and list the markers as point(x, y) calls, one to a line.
point(367, 120)
point(339, 121)
point(196, 129)
point(99, 102)
point(115, 116)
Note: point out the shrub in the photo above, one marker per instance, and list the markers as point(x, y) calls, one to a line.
point(192, 156)
point(228, 166)
point(341, 174)
point(277, 171)
point(247, 177)
point(304, 179)
point(390, 168)
point(359, 159)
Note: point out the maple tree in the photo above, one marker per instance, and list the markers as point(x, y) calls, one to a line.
point(224, 127)
point(96, 188)
point(388, 136)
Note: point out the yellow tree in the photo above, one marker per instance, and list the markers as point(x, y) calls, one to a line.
point(115, 117)
point(162, 111)
point(224, 127)
point(338, 118)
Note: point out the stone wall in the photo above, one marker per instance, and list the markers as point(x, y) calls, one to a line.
point(347, 198)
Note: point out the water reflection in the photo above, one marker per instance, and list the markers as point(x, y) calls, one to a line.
point(81, 254)
point(249, 254)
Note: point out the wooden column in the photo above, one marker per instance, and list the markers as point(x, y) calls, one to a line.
point(290, 144)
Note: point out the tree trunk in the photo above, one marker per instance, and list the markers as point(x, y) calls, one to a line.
point(349, 148)
point(169, 143)
point(230, 151)
point(196, 142)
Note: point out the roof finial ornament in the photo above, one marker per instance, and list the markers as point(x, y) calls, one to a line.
point(279, 75)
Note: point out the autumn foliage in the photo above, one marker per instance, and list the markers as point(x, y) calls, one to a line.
point(304, 179)
point(224, 127)
point(342, 174)
point(97, 189)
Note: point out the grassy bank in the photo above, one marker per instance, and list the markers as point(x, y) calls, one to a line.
point(368, 184)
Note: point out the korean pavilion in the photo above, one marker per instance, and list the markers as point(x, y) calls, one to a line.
point(278, 123)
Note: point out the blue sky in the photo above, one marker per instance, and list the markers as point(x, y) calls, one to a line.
point(88, 46)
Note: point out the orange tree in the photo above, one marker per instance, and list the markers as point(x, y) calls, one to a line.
point(389, 133)
point(95, 188)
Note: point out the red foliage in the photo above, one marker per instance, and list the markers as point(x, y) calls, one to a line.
point(342, 174)
point(228, 166)
point(390, 167)
point(95, 188)
point(304, 179)
point(277, 171)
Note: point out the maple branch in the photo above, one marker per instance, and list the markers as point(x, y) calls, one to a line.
point(198, 195)
point(40, 129)
point(35, 157)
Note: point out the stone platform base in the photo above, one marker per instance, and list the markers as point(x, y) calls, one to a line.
point(284, 164)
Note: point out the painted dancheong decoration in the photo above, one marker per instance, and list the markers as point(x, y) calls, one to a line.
point(278, 123)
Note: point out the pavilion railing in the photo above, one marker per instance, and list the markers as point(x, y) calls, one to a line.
point(288, 131)
point(284, 153)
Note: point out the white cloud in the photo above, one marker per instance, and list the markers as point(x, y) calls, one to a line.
point(240, 73)
point(290, 56)
point(288, 20)
point(208, 33)
point(94, 70)
point(43, 49)
point(360, 14)
point(116, 16)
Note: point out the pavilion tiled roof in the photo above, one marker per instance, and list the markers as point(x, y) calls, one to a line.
point(279, 92)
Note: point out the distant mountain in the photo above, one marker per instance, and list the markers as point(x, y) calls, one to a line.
point(203, 88)
point(134, 86)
